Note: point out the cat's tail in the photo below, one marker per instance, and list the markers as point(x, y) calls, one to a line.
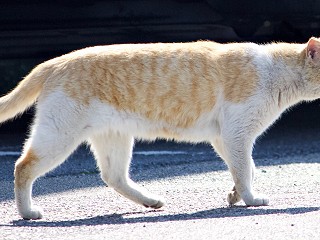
point(24, 95)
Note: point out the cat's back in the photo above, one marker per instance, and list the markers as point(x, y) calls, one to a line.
point(159, 81)
point(191, 52)
point(174, 82)
point(147, 48)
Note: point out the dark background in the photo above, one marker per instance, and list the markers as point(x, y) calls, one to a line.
point(34, 31)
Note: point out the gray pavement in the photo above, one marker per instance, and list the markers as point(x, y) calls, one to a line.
point(194, 181)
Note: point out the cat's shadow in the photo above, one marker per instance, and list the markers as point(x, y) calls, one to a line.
point(142, 217)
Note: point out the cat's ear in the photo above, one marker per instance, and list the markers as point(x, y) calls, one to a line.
point(313, 49)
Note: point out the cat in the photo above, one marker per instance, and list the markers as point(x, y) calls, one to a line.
point(223, 94)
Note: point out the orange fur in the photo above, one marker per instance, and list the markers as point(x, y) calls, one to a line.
point(238, 74)
point(23, 168)
point(173, 83)
point(24, 95)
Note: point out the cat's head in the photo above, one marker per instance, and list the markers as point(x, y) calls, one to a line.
point(312, 66)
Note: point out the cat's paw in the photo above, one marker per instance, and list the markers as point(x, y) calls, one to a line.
point(34, 213)
point(257, 200)
point(233, 197)
point(155, 203)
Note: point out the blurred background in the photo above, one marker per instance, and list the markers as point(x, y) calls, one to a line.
point(36, 30)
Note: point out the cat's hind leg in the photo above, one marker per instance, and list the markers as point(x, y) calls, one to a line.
point(24, 177)
point(113, 152)
point(41, 155)
point(57, 131)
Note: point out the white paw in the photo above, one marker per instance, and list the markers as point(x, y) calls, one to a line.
point(155, 203)
point(33, 213)
point(257, 200)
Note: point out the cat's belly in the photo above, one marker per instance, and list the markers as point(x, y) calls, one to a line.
point(106, 118)
point(192, 134)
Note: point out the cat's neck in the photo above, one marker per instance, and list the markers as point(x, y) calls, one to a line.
point(285, 78)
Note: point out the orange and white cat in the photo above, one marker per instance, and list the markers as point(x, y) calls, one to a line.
point(224, 94)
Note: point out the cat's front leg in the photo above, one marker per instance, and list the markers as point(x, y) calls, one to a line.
point(238, 158)
point(233, 196)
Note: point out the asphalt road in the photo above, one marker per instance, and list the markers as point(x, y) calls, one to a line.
point(194, 181)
